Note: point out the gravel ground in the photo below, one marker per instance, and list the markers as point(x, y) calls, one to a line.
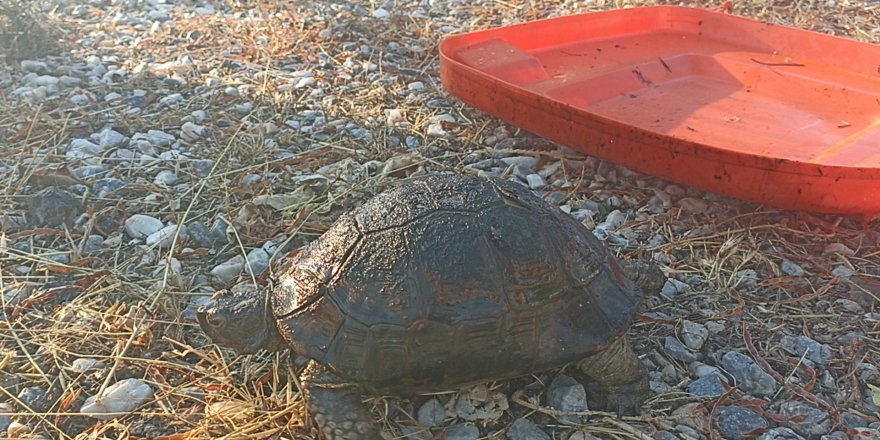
point(154, 151)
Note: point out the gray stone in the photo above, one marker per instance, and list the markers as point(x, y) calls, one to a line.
point(848, 305)
point(688, 431)
point(200, 234)
point(811, 421)
point(694, 334)
point(746, 278)
point(707, 386)
point(257, 261)
point(229, 270)
point(700, 369)
point(85, 146)
point(781, 433)
point(749, 376)
point(81, 365)
point(836, 435)
point(165, 178)
point(93, 244)
point(791, 269)
point(799, 345)
point(165, 237)
point(462, 431)
point(4, 419)
point(524, 162)
point(677, 350)
point(160, 138)
point(535, 181)
point(104, 187)
point(122, 397)
point(850, 420)
point(524, 429)
point(567, 395)
point(842, 272)
point(35, 399)
point(142, 226)
point(109, 138)
point(431, 413)
point(674, 287)
point(736, 422)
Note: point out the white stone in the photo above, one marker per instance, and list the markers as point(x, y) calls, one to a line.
point(165, 178)
point(142, 226)
point(82, 365)
point(191, 132)
point(229, 270)
point(122, 397)
point(164, 237)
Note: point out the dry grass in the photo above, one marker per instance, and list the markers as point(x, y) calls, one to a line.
point(124, 306)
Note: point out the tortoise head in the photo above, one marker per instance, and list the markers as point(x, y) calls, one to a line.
point(241, 318)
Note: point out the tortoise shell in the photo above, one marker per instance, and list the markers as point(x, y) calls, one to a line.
point(452, 280)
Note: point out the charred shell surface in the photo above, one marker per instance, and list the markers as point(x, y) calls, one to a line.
point(452, 280)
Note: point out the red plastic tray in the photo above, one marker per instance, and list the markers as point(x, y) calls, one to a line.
point(761, 112)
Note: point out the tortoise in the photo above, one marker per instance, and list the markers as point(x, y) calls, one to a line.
point(443, 282)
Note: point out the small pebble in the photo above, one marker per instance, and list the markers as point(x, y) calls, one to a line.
point(524, 162)
point(165, 178)
point(142, 226)
point(160, 138)
point(749, 376)
point(707, 386)
point(805, 419)
point(5, 420)
point(172, 101)
point(808, 347)
point(791, 269)
point(524, 429)
point(431, 413)
point(566, 394)
point(535, 181)
point(35, 398)
point(781, 433)
point(842, 272)
point(694, 334)
point(81, 365)
point(734, 422)
point(462, 431)
point(673, 288)
point(122, 397)
point(436, 130)
point(229, 270)
point(257, 261)
point(165, 237)
point(191, 132)
point(677, 350)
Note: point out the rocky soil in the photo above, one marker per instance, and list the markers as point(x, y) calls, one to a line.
point(153, 151)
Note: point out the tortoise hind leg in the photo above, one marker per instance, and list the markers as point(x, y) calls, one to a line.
point(336, 406)
point(621, 374)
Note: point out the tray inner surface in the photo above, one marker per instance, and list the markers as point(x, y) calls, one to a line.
point(696, 88)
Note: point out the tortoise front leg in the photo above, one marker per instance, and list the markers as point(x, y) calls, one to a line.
point(621, 374)
point(336, 406)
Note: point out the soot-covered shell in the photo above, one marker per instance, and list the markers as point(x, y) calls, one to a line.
point(451, 280)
